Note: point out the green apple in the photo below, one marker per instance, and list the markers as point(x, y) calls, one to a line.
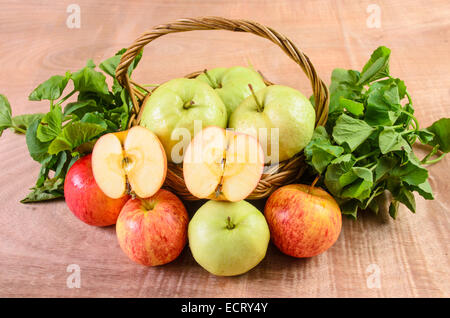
point(279, 107)
point(232, 84)
point(172, 108)
point(228, 238)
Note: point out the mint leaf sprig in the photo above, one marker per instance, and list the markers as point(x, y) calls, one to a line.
point(366, 146)
point(69, 130)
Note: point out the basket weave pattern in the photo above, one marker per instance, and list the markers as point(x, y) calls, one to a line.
point(285, 172)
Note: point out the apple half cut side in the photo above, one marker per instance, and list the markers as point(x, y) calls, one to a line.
point(131, 161)
point(222, 165)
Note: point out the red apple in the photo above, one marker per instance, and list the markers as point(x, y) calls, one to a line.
point(85, 199)
point(153, 231)
point(304, 221)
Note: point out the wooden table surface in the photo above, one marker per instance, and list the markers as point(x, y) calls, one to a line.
point(374, 256)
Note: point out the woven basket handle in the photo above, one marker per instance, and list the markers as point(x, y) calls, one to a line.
point(320, 90)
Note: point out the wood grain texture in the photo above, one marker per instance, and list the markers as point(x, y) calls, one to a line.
point(39, 241)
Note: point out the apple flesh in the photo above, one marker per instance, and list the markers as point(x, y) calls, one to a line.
point(172, 108)
point(86, 200)
point(131, 161)
point(222, 165)
point(153, 231)
point(276, 107)
point(228, 238)
point(232, 84)
point(304, 221)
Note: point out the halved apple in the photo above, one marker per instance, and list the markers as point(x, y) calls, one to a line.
point(221, 164)
point(131, 161)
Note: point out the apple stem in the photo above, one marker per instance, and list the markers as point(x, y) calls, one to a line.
point(258, 104)
point(230, 224)
point(209, 78)
point(314, 182)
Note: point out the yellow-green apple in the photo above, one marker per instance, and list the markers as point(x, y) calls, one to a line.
point(86, 200)
point(232, 84)
point(131, 161)
point(172, 108)
point(228, 238)
point(281, 117)
point(153, 231)
point(220, 164)
point(304, 220)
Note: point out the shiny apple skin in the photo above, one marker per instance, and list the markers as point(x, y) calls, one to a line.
point(153, 236)
point(85, 199)
point(304, 221)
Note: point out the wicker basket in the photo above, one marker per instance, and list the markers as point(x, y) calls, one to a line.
point(285, 172)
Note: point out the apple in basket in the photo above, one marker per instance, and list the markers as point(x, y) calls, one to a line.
point(232, 84)
point(280, 117)
point(172, 109)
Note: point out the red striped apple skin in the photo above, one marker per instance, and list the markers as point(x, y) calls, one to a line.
point(153, 231)
point(304, 221)
point(85, 199)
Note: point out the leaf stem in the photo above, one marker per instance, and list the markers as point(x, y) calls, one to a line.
point(435, 160)
point(62, 100)
point(19, 129)
point(430, 154)
point(366, 155)
point(412, 117)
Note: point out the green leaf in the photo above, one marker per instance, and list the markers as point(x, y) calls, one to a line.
point(51, 189)
point(51, 89)
point(441, 131)
point(424, 189)
point(360, 190)
point(320, 152)
point(393, 209)
point(95, 118)
point(406, 197)
point(50, 125)
point(363, 173)
point(384, 166)
point(80, 108)
point(22, 122)
point(46, 164)
point(353, 107)
point(89, 80)
point(377, 67)
point(350, 131)
point(425, 136)
point(37, 148)
point(412, 172)
point(379, 109)
point(5, 114)
point(338, 174)
point(390, 140)
point(73, 136)
point(350, 208)
point(109, 65)
point(343, 85)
